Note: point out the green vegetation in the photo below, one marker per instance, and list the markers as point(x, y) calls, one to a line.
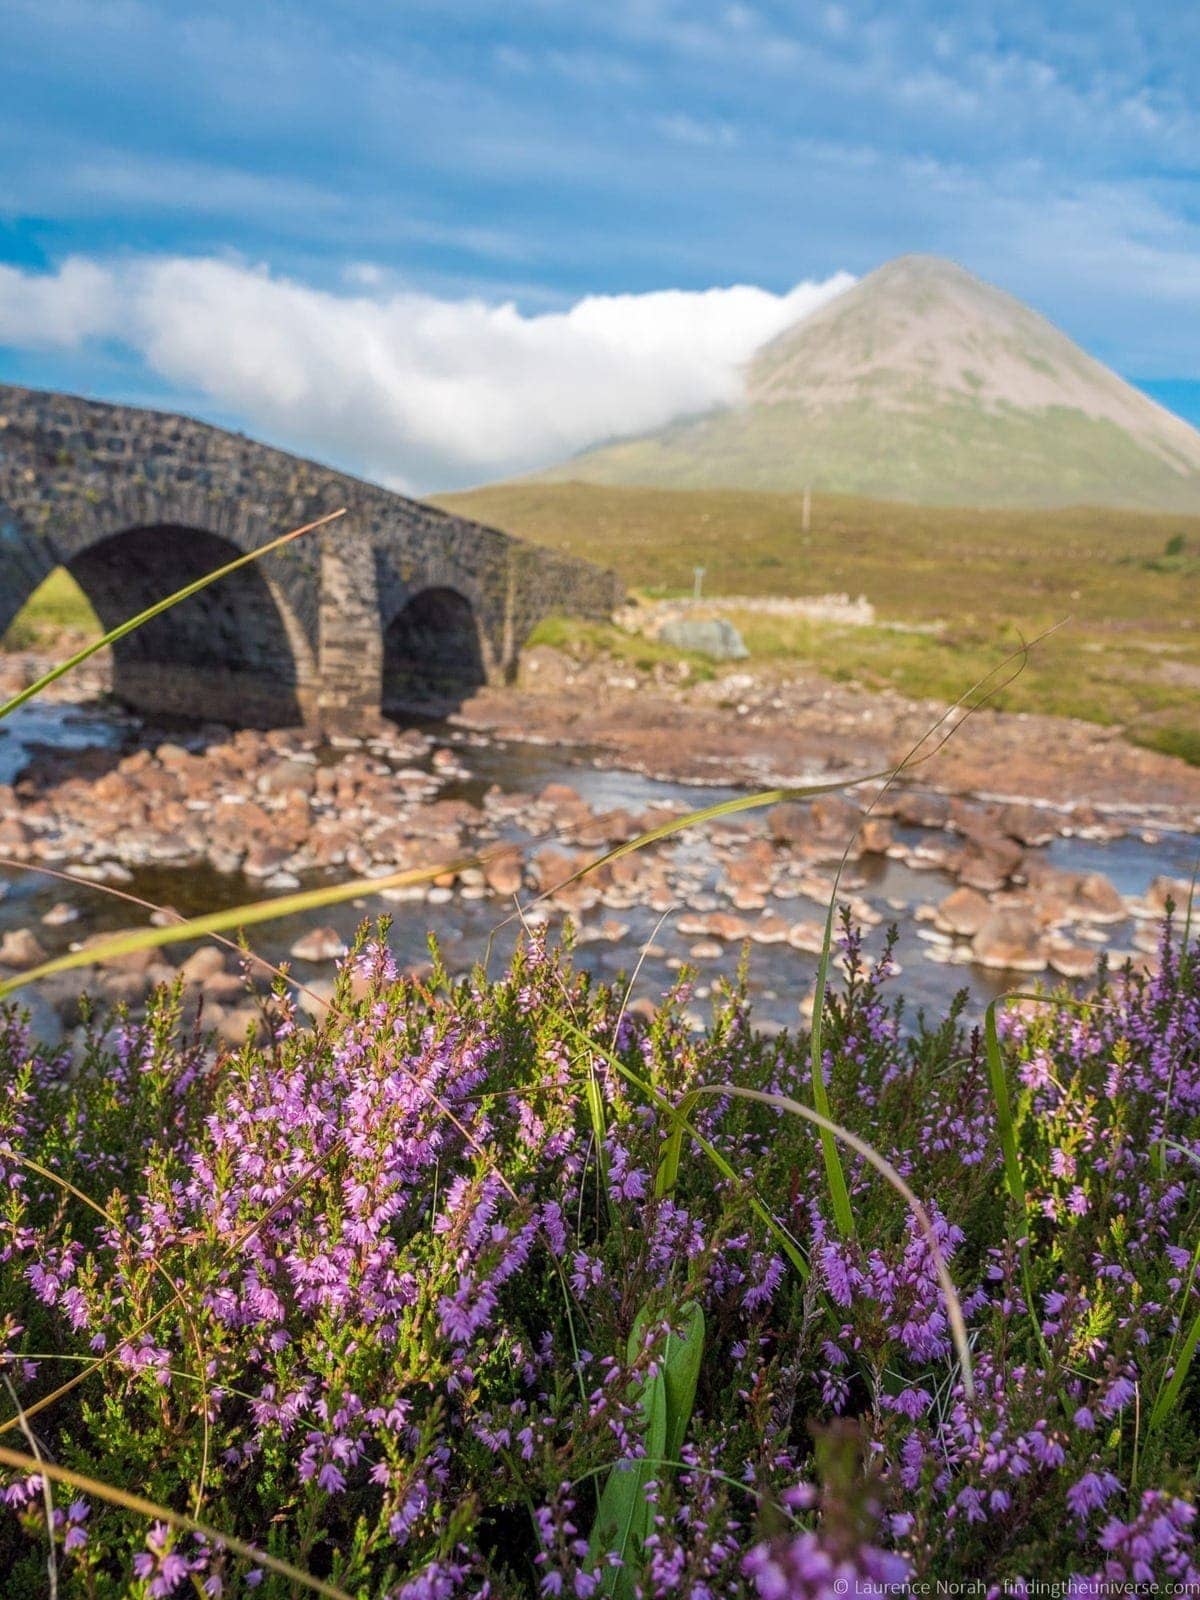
point(942, 451)
point(587, 640)
point(975, 582)
point(498, 1286)
point(59, 604)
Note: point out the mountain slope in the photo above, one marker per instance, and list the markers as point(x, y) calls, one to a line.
point(923, 383)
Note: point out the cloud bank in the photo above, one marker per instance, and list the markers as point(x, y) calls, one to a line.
point(418, 391)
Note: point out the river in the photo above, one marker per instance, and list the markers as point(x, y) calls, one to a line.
point(779, 975)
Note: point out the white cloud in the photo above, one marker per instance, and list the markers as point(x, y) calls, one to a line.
point(418, 391)
point(61, 309)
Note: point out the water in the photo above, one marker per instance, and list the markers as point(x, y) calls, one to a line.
point(780, 977)
point(43, 725)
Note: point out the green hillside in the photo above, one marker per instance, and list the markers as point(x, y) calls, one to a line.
point(1129, 584)
point(947, 452)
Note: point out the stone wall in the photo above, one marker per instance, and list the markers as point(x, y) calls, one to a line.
point(135, 503)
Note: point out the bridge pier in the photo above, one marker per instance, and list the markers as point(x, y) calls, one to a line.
point(349, 689)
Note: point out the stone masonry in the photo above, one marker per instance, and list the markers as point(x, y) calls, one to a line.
point(137, 503)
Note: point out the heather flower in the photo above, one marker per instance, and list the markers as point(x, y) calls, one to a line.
point(406, 1292)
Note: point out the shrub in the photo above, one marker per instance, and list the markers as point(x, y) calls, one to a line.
point(389, 1299)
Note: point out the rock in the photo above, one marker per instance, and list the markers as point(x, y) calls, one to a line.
point(875, 836)
point(264, 860)
point(918, 810)
point(989, 862)
point(1072, 961)
point(14, 837)
point(715, 637)
point(770, 929)
point(808, 936)
point(1177, 890)
point(233, 1026)
point(705, 950)
point(319, 944)
point(790, 822)
point(202, 964)
point(963, 912)
point(1028, 825)
point(59, 915)
point(288, 777)
point(131, 961)
point(316, 998)
point(46, 1020)
point(20, 948)
point(127, 988)
point(1009, 941)
point(1096, 900)
point(227, 988)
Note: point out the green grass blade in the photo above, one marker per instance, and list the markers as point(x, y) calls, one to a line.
point(1168, 1396)
point(681, 1371)
point(156, 610)
point(1014, 1175)
point(623, 1517)
point(29, 1465)
point(835, 1176)
point(667, 1175)
point(676, 1119)
point(783, 1102)
point(244, 916)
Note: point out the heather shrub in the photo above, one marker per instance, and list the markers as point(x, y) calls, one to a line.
point(390, 1299)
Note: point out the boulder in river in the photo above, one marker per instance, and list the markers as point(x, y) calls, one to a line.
point(963, 912)
point(21, 948)
point(1097, 900)
point(1009, 941)
point(319, 944)
point(1072, 960)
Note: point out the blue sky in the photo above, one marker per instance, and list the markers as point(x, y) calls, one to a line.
point(401, 234)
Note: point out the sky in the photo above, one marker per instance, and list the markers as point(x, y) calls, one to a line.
point(439, 242)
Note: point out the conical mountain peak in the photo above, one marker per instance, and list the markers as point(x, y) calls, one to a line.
point(923, 382)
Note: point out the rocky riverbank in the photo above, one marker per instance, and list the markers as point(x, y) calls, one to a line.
point(769, 724)
point(234, 814)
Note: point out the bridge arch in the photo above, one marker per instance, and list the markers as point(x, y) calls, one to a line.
point(232, 653)
point(237, 652)
point(434, 651)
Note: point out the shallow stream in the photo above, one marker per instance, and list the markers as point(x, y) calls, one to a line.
point(779, 976)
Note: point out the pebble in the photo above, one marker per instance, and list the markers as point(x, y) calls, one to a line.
point(319, 944)
point(60, 915)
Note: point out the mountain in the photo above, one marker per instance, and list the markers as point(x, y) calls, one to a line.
point(923, 383)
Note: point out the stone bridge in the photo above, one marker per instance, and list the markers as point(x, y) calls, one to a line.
point(394, 604)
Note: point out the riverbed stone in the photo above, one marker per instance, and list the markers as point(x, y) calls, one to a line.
point(319, 945)
point(1096, 899)
point(21, 949)
point(1071, 960)
point(202, 964)
point(705, 950)
point(1009, 940)
point(60, 914)
point(962, 912)
point(988, 862)
point(503, 872)
point(807, 936)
